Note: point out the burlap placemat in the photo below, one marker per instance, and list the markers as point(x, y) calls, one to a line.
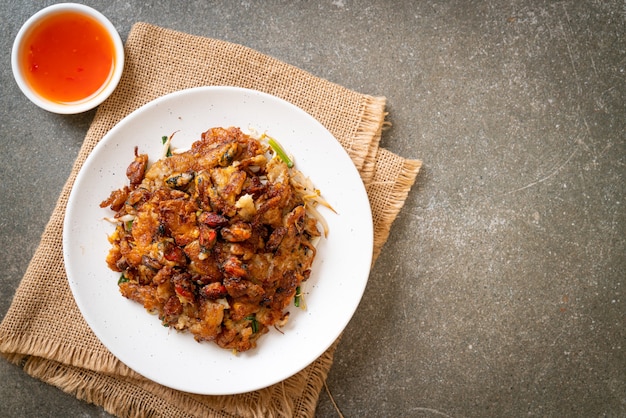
point(45, 332)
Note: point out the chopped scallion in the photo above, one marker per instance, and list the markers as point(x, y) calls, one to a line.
point(164, 140)
point(253, 323)
point(298, 300)
point(280, 151)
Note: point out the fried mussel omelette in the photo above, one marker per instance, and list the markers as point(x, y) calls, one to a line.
point(215, 240)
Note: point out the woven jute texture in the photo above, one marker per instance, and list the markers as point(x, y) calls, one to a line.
point(45, 332)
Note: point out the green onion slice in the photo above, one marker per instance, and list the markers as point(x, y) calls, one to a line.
point(298, 299)
point(253, 322)
point(280, 151)
point(167, 152)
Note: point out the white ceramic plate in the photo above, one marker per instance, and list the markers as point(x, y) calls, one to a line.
point(174, 359)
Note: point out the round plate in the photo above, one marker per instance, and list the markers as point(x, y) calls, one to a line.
point(332, 293)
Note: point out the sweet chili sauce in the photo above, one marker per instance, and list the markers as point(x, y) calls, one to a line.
point(68, 57)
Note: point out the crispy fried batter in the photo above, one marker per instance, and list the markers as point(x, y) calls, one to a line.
point(214, 240)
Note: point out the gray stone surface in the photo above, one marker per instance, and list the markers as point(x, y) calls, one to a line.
point(501, 289)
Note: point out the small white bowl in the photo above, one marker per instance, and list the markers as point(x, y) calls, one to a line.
point(67, 107)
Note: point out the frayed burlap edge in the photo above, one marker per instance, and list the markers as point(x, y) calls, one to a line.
point(392, 188)
point(373, 120)
point(135, 397)
point(18, 349)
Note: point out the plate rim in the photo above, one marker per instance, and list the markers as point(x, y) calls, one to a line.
point(119, 126)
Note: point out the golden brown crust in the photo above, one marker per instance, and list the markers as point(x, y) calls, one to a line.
point(214, 240)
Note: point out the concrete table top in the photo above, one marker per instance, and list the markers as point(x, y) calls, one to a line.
point(501, 290)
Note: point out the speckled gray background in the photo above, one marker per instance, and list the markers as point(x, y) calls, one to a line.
point(501, 289)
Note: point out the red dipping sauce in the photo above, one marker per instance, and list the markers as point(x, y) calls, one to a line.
point(68, 57)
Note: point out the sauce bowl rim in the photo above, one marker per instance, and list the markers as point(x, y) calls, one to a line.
point(78, 106)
